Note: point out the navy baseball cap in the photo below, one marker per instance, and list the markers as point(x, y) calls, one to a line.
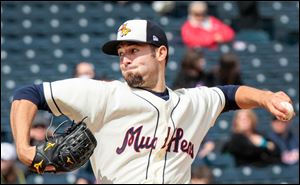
point(142, 31)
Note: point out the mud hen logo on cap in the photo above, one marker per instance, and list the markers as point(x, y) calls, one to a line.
point(124, 30)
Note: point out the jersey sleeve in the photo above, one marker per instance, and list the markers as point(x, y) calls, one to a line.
point(209, 103)
point(77, 98)
point(33, 93)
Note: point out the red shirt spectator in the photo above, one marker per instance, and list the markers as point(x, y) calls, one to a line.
point(201, 30)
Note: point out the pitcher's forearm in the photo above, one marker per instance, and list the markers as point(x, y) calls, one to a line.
point(249, 97)
point(22, 114)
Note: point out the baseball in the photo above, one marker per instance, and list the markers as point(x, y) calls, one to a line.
point(290, 109)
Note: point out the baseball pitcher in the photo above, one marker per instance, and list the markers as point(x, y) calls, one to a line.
point(137, 131)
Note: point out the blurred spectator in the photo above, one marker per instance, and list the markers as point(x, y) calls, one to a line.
point(247, 146)
point(202, 30)
point(201, 175)
point(285, 140)
point(226, 72)
point(192, 71)
point(85, 70)
point(205, 148)
point(39, 127)
point(10, 173)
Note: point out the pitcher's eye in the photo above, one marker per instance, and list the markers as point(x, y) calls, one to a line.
point(134, 50)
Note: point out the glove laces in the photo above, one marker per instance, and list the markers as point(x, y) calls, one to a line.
point(64, 133)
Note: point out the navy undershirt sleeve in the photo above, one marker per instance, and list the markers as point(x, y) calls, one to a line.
point(33, 93)
point(229, 93)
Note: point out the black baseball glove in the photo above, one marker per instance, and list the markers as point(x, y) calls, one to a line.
point(66, 152)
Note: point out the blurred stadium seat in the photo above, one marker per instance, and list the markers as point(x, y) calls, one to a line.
point(224, 176)
point(47, 178)
point(253, 175)
point(220, 160)
point(227, 10)
point(257, 36)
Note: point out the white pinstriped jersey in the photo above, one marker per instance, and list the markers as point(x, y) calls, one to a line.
point(141, 137)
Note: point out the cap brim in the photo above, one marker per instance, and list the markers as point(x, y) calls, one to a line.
point(110, 47)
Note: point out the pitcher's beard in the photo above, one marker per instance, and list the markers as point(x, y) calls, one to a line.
point(134, 80)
